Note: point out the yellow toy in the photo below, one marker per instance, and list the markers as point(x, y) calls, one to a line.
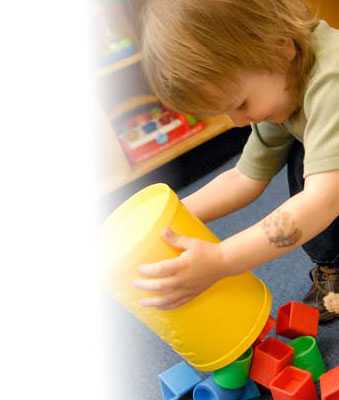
point(216, 327)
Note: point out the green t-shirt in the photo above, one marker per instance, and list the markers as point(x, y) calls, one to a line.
point(316, 125)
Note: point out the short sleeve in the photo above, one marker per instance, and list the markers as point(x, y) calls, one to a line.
point(265, 152)
point(321, 136)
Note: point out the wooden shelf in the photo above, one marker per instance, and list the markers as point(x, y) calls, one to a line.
point(327, 10)
point(214, 126)
point(121, 64)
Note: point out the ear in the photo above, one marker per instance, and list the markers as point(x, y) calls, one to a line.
point(290, 49)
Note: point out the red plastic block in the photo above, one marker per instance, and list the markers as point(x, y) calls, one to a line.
point(293, 384)
point(329, 384)
point(297, 319)
point(270, 357)
point(267, 328)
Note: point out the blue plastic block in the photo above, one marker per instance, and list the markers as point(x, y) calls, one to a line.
point(209, 390)
point(162, 138)
point(251, 391)
point(149, 127)
point(178, 380)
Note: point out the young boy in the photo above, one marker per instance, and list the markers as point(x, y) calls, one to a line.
point(270, 64)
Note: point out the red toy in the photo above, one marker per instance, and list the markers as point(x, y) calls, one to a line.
point(293, 384)
point(270, 357)
point(297, 319)
point(329, 384)
point(267, 328)
point(145, 134)
point(167, 117)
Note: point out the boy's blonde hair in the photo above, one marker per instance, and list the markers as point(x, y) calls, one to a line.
point(193, 50)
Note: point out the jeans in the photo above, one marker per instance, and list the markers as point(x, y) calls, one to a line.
point(324, 248)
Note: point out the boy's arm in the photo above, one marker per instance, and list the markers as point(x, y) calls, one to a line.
point(202, 263)
point(226, 193)
point(294, 223)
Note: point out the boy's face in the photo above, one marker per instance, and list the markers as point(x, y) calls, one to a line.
point(262, 96)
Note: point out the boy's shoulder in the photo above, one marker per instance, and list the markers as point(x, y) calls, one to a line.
point(324, 77)
point(325, 42)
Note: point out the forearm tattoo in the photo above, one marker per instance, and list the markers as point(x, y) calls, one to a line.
point(280, 229)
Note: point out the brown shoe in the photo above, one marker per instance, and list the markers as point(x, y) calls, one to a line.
point(325, 280)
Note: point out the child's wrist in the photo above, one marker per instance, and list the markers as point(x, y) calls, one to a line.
point(228, 264)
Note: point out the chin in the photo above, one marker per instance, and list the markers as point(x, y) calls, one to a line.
point(283, 116)
point(279, 119)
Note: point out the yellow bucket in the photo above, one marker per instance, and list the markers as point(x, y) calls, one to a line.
point(216, 327)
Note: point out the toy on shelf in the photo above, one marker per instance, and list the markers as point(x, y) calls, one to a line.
point(329, 384)
point(148, 129)
point(297, 319)
point(112, 33)
point(293, 384)
point(117, 49)
point(331, 302)
point(178, 381)
point(307, 356)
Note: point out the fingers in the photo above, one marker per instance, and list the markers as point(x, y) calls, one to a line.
point(156, 284)
point(162, 268)
point(161, 276)
point(176, 304)
point(178, 241)
point(167, 302)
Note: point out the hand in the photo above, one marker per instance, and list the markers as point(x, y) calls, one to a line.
point(180, 279)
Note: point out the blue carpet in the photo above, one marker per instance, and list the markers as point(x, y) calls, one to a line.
point(142, 355)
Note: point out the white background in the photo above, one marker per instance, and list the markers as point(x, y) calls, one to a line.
point(52, 335)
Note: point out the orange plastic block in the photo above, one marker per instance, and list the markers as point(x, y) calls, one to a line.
point(297, 319)
point(293, 384)
point(329, 384)
point(267, 328)
point(270, 357)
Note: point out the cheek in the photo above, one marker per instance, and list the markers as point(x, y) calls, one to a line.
point(261, 111)
point(269, 105)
